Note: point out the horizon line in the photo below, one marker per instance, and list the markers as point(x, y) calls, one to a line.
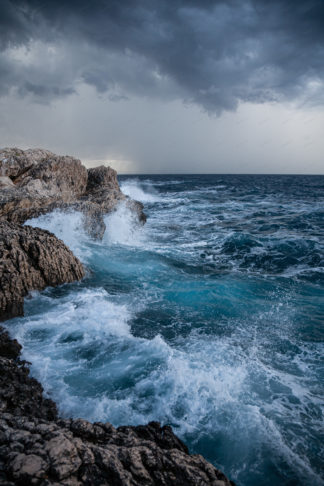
point(220, 173)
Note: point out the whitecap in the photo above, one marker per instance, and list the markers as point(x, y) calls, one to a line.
point(135, 190)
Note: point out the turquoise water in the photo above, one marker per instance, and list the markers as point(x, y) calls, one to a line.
point(208, 318)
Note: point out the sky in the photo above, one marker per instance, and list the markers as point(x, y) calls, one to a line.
point(166, 86)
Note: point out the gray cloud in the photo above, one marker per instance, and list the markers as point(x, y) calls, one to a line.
point(212, 53)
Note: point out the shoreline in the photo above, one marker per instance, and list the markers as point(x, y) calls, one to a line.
point(37, 446)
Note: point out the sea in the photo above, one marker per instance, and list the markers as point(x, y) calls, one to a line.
point(209, 318)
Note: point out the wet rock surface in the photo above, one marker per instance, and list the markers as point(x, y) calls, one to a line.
point(31, 259)
point(36, 181)
point(38, 448)
point(19, 393)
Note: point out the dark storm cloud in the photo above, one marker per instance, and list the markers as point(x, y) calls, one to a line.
point(213, 53)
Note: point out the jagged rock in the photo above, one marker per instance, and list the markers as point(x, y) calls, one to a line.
point(9, 348)
point(20, 394)
point(41, 182)
point(31, 259)
point(37, 181)
point(14, 161)
point(102, 177)
point(51, 455)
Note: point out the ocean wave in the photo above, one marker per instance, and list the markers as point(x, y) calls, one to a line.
point(84, 352)
point(208, 318)
point(140, 192)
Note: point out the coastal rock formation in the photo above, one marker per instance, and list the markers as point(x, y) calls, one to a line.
point(36, 181)
point(38, 448)
point(31, 259)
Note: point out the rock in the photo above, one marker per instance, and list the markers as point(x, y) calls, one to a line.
point(20, 394)
point(102, 176)
point(36, 447)
point(6, 182)
point(41, 182)
point(37, 181)
point(9, 348)
point(28, 468)
point(14, 161)
point(31, 259)
point(63, 457)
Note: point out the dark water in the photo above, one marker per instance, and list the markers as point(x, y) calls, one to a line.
point(209, 318)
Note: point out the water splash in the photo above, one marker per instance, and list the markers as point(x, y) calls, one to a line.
point(123, 228)
point(68, 226)
point(143, 193)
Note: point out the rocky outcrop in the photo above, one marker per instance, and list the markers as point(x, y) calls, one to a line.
point(31, 259)
point(38, 448)
point(36, 181)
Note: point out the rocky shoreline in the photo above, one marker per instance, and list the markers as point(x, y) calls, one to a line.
point(37, 447)
point(35, 182)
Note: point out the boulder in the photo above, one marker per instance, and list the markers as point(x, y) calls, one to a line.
point(102, 176)
point(31, 259)
point(41, 181)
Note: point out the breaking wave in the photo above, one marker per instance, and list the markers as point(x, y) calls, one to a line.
point(208, 318)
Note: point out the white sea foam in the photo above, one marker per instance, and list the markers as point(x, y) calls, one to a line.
point(135, 190)
point(82, 348)
point(122, 227)
point(68, 226)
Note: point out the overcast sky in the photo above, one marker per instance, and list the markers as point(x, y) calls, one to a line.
point(166, 85)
